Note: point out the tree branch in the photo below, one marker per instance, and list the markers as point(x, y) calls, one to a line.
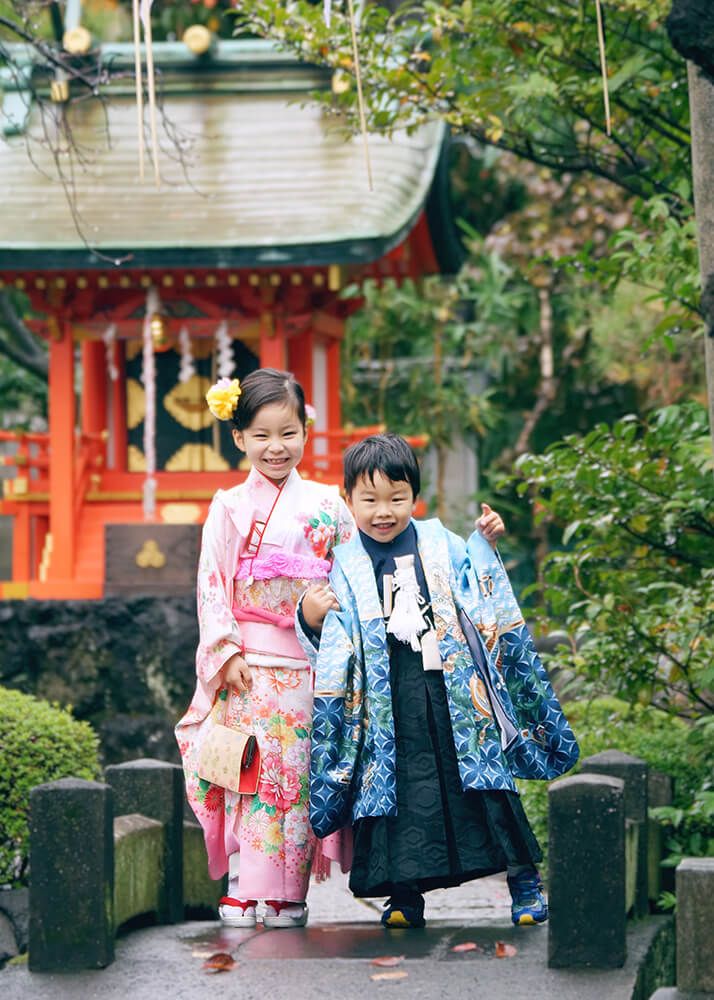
point(19, 344)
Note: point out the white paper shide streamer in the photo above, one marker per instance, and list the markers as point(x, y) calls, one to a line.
point(187, 367)
point(109, 338)
point(148, 377)
point(224, 351)
point(406, 622)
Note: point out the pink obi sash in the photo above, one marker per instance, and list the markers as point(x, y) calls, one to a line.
point(290, 564)
point(253, 614)
point(267, 634)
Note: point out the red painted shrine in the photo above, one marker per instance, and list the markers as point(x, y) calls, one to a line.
point(275, 222)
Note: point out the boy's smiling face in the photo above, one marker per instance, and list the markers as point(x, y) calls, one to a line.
point(381, 509)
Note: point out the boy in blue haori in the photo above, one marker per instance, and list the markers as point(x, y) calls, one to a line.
point(418, 728)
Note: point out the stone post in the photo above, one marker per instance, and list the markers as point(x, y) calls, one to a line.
point(586, 884)
point(633, 771)
point(72, 876)
point(659, 793)
point(695, 920)
point(154, 788)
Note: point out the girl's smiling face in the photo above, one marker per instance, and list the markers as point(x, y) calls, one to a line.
point(274, 442)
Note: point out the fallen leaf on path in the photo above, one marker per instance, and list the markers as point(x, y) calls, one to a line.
point(386, 960)
point(220, 962)
point(399, 974)
point(504, 950)
point(467, 946)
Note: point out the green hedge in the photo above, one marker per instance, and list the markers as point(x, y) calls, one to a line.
point(39, 742)
point(667, 743)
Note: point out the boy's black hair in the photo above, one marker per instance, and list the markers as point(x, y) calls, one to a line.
point(385, 453)
point(265, 386)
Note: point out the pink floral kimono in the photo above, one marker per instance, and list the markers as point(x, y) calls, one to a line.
point(262, 545)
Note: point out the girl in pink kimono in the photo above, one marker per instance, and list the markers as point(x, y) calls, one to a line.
point(264, 542)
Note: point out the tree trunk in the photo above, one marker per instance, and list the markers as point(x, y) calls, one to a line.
point(701, 102)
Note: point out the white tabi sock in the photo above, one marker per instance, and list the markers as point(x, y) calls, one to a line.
point(233, 873)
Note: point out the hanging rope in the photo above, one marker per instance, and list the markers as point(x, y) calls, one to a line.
point(187, 368)
point(360, 96)
point(603, 66)
point(224, 351)
point(109, 338)
point(148, 376)
point(139, 84)
point(142, 13)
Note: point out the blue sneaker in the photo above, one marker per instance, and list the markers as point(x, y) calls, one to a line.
point(401, 914)
point(528, 903)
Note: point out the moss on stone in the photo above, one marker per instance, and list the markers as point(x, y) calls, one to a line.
point(199, 890)
point(138, 866)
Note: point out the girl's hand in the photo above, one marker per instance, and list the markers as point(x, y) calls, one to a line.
point(491, 525)
point(318, 600)
point(238, 673)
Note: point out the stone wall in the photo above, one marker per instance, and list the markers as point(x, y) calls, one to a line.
point(126, 665)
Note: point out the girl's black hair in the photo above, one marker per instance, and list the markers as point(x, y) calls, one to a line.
point(385, 453)
point(264, 386)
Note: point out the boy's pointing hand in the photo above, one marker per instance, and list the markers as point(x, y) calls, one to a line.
point(318, 600)
point(490, 524)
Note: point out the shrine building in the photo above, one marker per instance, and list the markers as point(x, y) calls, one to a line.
point(238, 260)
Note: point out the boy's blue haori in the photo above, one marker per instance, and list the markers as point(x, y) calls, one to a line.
point(352, 773)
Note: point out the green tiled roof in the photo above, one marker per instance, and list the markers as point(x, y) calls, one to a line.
point(267, 180)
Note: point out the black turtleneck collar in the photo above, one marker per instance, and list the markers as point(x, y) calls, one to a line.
point(382, 555)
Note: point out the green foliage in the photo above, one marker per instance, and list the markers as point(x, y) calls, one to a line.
point(689, 824)
point(409, 357)
point(658, 252)
point(634, 585)
point(24, 395)
point(521, 75)
point(525, 77)
point(672, 746)
point(39, 742)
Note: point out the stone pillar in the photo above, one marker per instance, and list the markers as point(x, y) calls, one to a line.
point(695, 920)
point(72, 876)
point(659, 793)
point(154, 788)
point(633, 771)
point(586, 884)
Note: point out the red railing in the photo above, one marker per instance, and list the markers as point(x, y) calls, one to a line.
point(31, 454)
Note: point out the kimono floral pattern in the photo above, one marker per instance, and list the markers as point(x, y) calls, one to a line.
point(271, 829)
point(323, 529)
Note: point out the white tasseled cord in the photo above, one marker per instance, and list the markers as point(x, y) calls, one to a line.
point(406, 622)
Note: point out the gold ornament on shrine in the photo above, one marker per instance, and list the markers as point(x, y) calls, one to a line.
point(150, 556)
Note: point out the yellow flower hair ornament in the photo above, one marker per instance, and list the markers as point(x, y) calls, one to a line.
point(222, 398)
